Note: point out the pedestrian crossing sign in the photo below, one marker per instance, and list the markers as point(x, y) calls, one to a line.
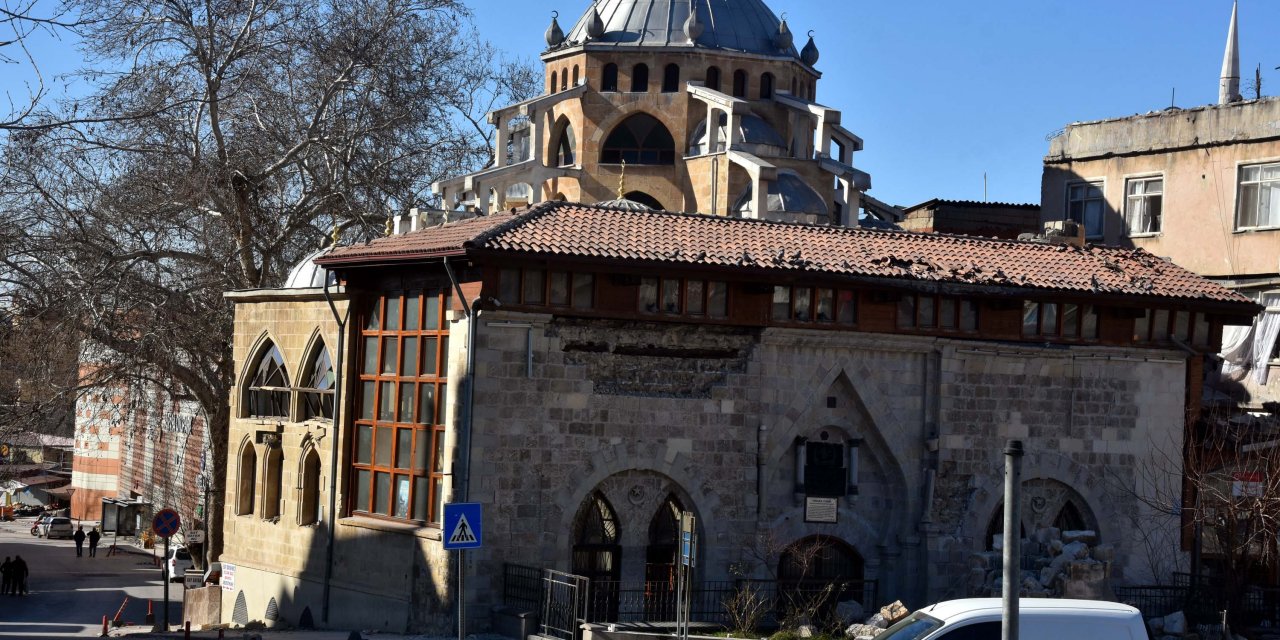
point(462, 526)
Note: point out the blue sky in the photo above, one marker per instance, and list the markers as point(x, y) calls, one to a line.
point(944, 90)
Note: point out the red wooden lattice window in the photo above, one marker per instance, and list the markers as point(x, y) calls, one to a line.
point(397, 454)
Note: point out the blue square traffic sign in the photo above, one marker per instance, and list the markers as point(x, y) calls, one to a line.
point(462, 526)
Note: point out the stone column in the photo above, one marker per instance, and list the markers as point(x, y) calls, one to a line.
point(500, 147)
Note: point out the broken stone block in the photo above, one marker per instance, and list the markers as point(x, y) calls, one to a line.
point(1047, 575)
point(1175, 624)
point(1086, 580)
point(894, 612)
point(805, 631)
point(878, 620)
point(1046, 535)
point(1103, 553)
point(983, 560)
point(862, 631)
point(1085, 536)
point(850, 611)
point(1075, 550)
point(1055, 547)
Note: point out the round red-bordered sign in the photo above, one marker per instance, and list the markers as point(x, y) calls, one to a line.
point(166, 523)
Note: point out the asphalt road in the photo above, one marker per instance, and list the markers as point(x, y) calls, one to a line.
point(69, 595)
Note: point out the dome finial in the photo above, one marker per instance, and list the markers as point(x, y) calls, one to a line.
point(622, 181)
point(335, 236)
point(783, 39)
point(555, 35)
point(693, 27)
point(595, 26)
point(810, 54)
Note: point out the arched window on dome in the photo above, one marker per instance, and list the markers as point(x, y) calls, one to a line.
point(317, 394)
point(555, 77)
point(575, 76)
point(713, 78)
point(640, 78)
point(609, 78)
point(564, 80)
point(739, 84)
point(766, 86)
point(671, 78)
point(268, 391)
point(640, 139)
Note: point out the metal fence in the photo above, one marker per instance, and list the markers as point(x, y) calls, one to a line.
point(1202, 601)
point(654, 602)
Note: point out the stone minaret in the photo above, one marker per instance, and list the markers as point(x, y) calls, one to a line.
point(1229, 83)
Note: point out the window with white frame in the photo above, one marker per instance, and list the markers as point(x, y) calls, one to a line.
point(1086, 206)
point(1258, 204)
point(1144, 200)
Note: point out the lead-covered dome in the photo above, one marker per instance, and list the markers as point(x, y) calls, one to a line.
point(732, 25)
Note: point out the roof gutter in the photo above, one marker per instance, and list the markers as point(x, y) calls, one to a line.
point(462, 469)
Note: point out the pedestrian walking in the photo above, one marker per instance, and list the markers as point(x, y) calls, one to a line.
point(79, 538)
point(19, 570)
point(94, 536)
point(6, 570)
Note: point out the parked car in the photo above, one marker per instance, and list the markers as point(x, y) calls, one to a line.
point(1039, 618)
point(57, 527)
point(176, 565)
point(213, 575)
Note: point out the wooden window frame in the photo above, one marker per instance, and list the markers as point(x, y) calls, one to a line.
point(522, 274)
point(1167, 334)
point(958, 304)
point(814, 294)
point(1059, 332)
point(682, 298)
point(424, 460)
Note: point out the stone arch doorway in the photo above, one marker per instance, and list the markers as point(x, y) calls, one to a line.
point(808, 565)
point(597, 551)
point(1046, 503)
point(662, 558)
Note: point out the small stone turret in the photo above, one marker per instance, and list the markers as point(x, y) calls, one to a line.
point(595, 26)
point(555, 35)
point(693, 25)
point(809, 55)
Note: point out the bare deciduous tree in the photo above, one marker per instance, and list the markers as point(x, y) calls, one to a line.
point(222, 141)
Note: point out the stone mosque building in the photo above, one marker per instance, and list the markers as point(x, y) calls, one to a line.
point(726, 337)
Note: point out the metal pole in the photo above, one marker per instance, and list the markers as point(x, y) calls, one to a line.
point(164, 566)
point(462, 599)
point(1012, 537)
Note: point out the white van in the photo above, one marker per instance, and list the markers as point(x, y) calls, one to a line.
point(1039, 619)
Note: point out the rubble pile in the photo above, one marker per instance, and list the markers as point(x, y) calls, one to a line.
point(1056, 564)
point(876, 624)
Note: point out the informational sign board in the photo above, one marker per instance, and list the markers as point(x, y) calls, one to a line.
point(228, 577)
point(1247, 484)
point(688, 539)
point(196, 537)
point(824, 510)
point(463, 528)
point(193, 579)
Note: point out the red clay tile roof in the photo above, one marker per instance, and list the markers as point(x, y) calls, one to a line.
point(574, 230)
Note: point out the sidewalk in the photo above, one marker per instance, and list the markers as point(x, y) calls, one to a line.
point(267, 634)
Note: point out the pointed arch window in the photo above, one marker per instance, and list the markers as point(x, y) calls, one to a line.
point(713, 78)
point(564, 80)
point(248, 479)
point(555, 78)
point(640, 139)
point(272, 489)
point(268, 395)
point(317, 395)
point(640, 78)
point(766, 86)
point(575, 76)
point(739, 84)
point(609, 78)
point(309, 502)
point(671, 78)
point(564, 149)
point(597, 554)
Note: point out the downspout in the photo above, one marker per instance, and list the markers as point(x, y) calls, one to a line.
point(333, 447)
point(462, 476)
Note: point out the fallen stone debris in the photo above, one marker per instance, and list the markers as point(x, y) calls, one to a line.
point(878, 622)
point(1056, 564)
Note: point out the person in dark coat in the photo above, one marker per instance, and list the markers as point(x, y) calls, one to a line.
point(94, 536)
point(6, 570)
point(79, 538)
point(19, 569)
